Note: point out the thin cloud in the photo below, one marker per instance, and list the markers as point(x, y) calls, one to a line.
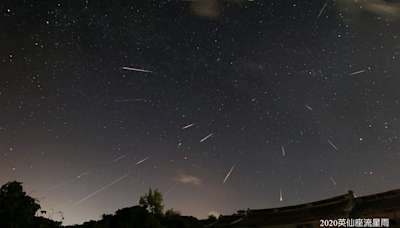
point(188, 179)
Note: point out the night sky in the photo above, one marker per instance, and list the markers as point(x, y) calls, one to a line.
point(295, 101)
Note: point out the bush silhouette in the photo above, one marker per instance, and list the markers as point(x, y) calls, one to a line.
point(18, 210)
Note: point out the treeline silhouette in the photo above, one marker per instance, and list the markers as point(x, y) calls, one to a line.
point(18, 210)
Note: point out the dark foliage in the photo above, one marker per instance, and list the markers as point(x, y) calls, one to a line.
point(139, 217)
point(152, 202)
point(17, 210)
point(209, 220)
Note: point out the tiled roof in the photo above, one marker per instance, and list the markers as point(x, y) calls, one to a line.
point(304, 212)
point(381, 202)
point(340, 206)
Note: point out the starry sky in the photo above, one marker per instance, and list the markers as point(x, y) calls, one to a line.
point(297, 98)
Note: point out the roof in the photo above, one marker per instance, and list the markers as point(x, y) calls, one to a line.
point(381, 202)
point(339, 206)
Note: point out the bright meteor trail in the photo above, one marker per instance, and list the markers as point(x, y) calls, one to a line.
point(129, 100)
point(208, 136)
point(320, 12)
point(135, 69)
point(229, 173)
point(358, 72)
point(333, 180)
point(187, 126)
point(142, 161)
point(69, 180)
point(119, 158)
point(101, 189)
point(332, 144)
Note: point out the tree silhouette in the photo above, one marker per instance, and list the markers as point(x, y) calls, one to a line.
point(152, 202)
point(136, 217)
point(171, 212)
point(18, 209)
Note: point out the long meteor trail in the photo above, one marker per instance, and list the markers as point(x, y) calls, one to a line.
point(135, 69)
point(187, 126)
point(333, 180)
point(170, 190)
point(229, 173)
point(69, 180)
point(101, 189)
point(126, 100)
point(142, 161)
point(320, 12)
point(208, 136)
point(358, 72)
point(119, 158)
point(332, 144)
point(59, 185)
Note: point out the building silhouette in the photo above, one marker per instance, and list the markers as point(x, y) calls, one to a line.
point(378, 210)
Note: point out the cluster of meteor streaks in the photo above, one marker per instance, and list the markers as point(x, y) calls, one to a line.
point(109, 184)
point(229, 173)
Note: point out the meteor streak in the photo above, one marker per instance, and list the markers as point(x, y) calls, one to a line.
point(283, 151)
point(119, 158)
point(321, 11)
point(169, 190)
point(59, 185)
point(129, 100)
point(142, 161)
point(188, 126)
point(332, 144)
point(280, 195)
point(333, 180)
point(100, 189)
point(85, 173)
point(69, 180)
point(229, 173)
point(135, 69)
point(309, 107)
point(357, 72)
point(208, 136)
